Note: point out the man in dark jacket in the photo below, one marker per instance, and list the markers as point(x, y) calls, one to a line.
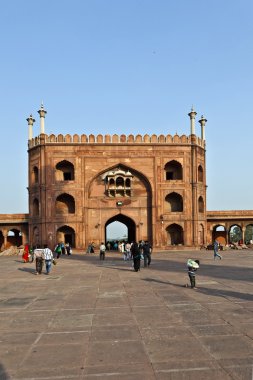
point(147, 249)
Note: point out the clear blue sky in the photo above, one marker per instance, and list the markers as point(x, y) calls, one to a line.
point(129, 66)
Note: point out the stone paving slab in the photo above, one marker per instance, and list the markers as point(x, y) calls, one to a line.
point(93, 320)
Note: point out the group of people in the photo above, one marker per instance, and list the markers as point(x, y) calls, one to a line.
point(131, 251)
point(42, 255)
point(62, 249)
point(134, 251)
point(45, 255)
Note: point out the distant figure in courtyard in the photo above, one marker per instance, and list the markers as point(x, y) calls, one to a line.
point(68, 249)
point(25, 255)
point(58, 250)
point(136, 254)
point(192, 266)
point(63, 250)
point(39, 258)
point(102, 249)
point(90, 248)
point(216, 249)
point(147, 249)
point(128, 251)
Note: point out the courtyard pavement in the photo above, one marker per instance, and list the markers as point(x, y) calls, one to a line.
point(101, 320)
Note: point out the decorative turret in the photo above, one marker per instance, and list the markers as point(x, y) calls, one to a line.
point(42, 114)
point(30, 121)
point(202, 122)
point(192, 115)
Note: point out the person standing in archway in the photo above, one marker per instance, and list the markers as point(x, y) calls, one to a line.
point(136, 256)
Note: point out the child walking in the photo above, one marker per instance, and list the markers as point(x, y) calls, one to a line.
point(192, 266)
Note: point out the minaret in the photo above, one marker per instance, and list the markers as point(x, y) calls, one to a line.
point(202, 122)
point(42, 114)
point(192, 115)
point(30, 121)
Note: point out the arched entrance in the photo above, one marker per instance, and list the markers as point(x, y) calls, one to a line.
point(114, 193)
point(129, 223)
point(175, 234)
point(66, 234)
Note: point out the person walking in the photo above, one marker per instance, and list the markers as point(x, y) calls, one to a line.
point(102, 249)
point(216, 249)
point(57, 250)
point(39, 258)
point(136, 256)
point(48, 257)
point(147, 249)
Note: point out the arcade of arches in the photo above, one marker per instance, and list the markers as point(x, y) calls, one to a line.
point(228, 227)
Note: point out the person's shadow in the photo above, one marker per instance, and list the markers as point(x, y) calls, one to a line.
point(3, 374)
point(29, 270)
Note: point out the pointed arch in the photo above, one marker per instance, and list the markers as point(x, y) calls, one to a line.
point(201, 206)
point(200, 174)
point(173, 202)
point(175, 234)
point(66, 234)
point(35, 175)
point(65, 171)
point(173, 171)
point(127, 221)
point(65, 204)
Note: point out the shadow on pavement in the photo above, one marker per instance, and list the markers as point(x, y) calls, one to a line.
point(3, 374)
point(29, 270)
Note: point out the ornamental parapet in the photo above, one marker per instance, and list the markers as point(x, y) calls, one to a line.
point(114, 139)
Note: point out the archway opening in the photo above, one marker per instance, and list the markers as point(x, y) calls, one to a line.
point(65, 171)
point(173, 202)
point(65, 204)
point(66, 234)
point(235, 234)
point(175, 234)
point(249, 234)
point(220, 234)
point(173, 171)
point(119, 228)
point(14, 237)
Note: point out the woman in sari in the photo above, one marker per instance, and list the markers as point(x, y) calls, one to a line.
point(25, 255)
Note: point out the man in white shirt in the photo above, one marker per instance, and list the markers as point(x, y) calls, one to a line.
point(48, 257)
point(102, 249)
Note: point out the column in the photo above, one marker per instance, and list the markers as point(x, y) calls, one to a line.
point(202, 122)
point(192, 115)
point(42, 114)
point(30, 121)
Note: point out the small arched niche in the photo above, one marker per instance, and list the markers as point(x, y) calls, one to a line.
point(65, 171)
point(173, 171)
point(65, 204)
point(173, 202)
